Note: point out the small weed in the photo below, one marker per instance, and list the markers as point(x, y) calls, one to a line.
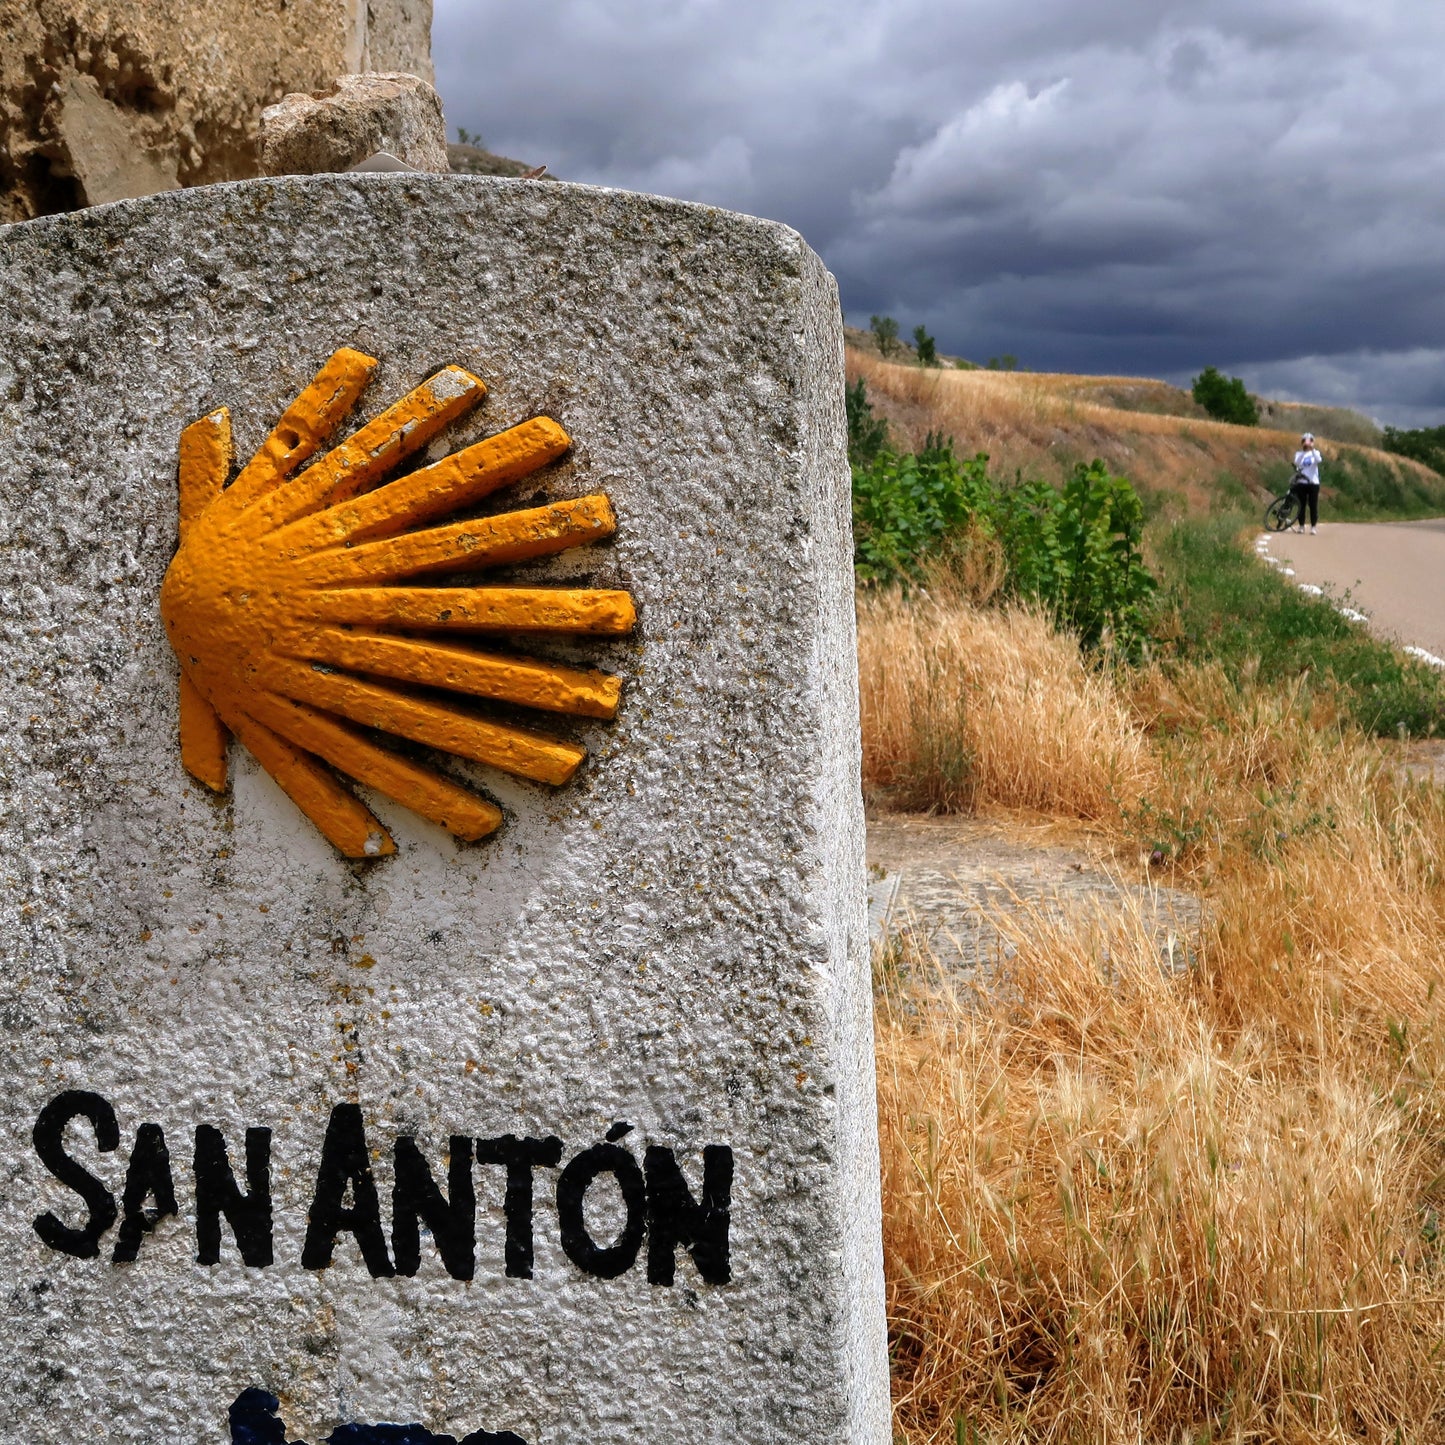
point(1162, 836)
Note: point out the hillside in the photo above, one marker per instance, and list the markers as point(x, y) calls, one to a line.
point(1041, 424)
point(471, 160)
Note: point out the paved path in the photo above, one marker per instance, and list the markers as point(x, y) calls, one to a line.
point(1394, 571)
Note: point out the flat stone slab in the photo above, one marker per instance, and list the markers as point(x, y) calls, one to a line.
point(567, 1133)
point(956, 879)
point(882, 899)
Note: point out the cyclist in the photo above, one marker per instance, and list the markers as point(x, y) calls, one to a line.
point(1306, 484)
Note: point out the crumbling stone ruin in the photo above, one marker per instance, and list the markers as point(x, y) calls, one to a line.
point(359, 116)
point(105, 99)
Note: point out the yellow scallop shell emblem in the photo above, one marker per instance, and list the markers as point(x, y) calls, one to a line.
point(302, 608)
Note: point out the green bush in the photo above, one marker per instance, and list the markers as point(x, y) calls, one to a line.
point(1225, 398)
point(1075, 550)
point(1079, 552)
point(867, 434)
point(926, 346)
point(906, 504)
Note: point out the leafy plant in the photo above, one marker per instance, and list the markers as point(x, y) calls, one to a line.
point(926, 346)
point(1079, 551)
point(1007, 362)
point(470, 138)
point(885, 333)
point(867, 434)
point(1225, 397)
point(1076, 550)
point(904, 505)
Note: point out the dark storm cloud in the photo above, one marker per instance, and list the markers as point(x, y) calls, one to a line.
point(1089, 184)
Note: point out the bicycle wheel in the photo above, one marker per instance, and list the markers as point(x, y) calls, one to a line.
point(1282, 513)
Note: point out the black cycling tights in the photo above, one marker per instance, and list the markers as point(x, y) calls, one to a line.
point(1309, 500)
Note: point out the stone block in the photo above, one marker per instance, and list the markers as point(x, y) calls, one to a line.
point(359, 115)
point(178, 85)
point(318, 1118)
point(111, 162)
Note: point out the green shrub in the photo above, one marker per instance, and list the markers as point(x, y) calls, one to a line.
point(867, 434)
point(1079, 552)
point(905, 505)
point(1075, 550)
point(926, 346)
point(1225, 398)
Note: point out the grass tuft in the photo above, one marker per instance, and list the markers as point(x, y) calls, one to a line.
point(967, 707)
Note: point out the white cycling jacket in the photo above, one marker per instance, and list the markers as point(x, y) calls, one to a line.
point(1307, 464)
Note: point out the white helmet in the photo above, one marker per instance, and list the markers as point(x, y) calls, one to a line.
point(1308, 439)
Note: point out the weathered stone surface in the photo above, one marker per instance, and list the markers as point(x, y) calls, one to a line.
point(110, 162)
point(184, 83)
point(675, 941)
point(357, 116)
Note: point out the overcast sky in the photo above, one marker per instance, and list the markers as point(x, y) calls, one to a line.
point(1136, 186)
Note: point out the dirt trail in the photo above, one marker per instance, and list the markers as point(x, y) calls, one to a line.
point(1394, 572)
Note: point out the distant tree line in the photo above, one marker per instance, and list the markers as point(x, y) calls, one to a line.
point(925, 347)
point(1423, 444)
point(885, 333)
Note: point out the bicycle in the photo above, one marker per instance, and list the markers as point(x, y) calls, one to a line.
point(1285, 510)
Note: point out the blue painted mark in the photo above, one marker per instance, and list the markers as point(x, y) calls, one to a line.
point(254, 1421)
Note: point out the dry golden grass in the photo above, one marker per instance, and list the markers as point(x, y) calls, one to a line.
point(967, 707)
point(1043, 423)
point(1125, 1203)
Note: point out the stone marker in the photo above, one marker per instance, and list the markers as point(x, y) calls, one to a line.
point(435, 987)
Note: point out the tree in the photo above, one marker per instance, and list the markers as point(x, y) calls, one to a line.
point(470, 138)
point(1007, 362)
point(1225, 398)
point(927, 350)
point(885, 332)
